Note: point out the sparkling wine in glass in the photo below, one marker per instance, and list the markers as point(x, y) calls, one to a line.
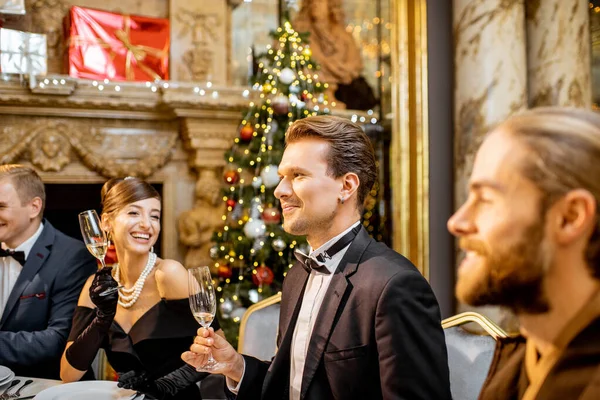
point(95, 239)
point(203, 303)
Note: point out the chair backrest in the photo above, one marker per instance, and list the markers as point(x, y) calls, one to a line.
point(469, 354)
point(258, 329)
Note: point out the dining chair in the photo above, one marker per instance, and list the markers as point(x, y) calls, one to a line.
point(258, 329)
point(469, 354)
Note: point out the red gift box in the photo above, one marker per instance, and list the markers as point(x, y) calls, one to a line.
point(105, 45)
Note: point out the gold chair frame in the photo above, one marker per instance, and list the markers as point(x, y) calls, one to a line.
point(484, 322)
point(252, 309)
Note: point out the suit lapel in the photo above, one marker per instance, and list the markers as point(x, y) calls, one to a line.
point(332, 303)
point(37, 256)
point(292, 299)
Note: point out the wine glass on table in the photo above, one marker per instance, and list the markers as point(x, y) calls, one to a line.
point(203, 303)
point(95, 240)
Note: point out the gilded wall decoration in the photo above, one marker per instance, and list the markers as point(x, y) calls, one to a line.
point(196, 226)
point(197, 62)
point(13, 142)
point(50, 150)
point(48, 143)
point(200, 45)
point(202, 29)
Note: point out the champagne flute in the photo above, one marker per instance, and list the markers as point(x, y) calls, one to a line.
point(95, 239)
point(203, 303)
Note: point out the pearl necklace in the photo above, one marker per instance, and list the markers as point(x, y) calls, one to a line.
point(128, 297)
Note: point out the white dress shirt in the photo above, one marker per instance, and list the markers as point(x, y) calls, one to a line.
point(10, 269)
point(316, 287)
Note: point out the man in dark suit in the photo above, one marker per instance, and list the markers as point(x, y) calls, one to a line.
point(358, 320)
point(42, 272)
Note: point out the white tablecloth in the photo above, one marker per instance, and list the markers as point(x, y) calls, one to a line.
point(32, 389)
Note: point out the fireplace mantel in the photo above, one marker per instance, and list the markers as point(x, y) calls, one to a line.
point(75, 131)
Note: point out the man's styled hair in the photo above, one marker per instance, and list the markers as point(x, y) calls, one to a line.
point(350, 149)
point(564, 148)
point(27, 183)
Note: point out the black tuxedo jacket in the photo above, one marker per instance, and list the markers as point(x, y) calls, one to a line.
point(378, 334)
point(37, 317)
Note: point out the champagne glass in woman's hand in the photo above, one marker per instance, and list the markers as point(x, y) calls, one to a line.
point(203, 303)
point(95, 239)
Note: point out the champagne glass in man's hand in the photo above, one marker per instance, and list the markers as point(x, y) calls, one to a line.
point(203, 303)
point(95, 240)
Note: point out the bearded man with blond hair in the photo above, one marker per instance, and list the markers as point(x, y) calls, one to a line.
point(531, 234)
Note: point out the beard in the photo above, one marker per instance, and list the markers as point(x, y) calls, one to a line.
point(511, 275)
point(303, 226)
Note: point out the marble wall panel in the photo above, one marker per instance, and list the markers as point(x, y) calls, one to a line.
point(558, 53)
point(490, 74)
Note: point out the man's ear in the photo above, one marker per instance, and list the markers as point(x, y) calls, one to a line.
point(35, 207)
point(350, 184)
point(576, 216)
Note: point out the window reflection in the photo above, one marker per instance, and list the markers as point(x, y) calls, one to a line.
point(368, 21)
point(251, 23)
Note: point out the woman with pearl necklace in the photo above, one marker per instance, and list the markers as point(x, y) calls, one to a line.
point(145, 325)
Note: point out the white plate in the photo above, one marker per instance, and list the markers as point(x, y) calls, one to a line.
point(5, 372)
point(88, 390)
point(7, 380)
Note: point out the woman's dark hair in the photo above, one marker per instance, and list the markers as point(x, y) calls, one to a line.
point(118, 193)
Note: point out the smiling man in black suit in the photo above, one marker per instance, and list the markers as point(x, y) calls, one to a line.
point(358, 320)
point(41, 274)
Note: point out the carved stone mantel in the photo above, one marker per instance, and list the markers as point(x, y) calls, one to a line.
point(85, 131)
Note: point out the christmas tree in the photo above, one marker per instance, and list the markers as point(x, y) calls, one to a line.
point(252, 252)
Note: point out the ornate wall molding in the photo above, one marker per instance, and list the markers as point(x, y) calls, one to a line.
point(49, 144)
point(73, 132)
point(200, 47)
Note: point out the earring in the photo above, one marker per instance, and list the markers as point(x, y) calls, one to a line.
point(152, 249)
point(342, 200)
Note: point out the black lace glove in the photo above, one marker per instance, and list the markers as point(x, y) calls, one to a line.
point(106, 306)
point(161, 388)
point(82, 352)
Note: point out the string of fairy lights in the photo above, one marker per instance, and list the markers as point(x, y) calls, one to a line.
point(57, 82)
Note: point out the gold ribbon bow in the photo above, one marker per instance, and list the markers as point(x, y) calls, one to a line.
point(79, 40)
point(136, 52)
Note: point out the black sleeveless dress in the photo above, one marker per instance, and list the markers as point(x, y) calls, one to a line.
point(154, 344)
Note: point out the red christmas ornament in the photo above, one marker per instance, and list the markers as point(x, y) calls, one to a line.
point(224, 271)
point(281, 105)
point(263, 276)
point(231, 203)
point(271, 215)
point(231, 176)
point(246, 133)
point(304, 96)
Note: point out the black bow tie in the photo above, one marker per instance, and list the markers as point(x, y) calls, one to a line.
point(309, 263)
point(317, 263)
point(17, 255)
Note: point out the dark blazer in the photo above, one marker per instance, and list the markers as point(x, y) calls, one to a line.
point(37, 317)
point(378, 334)
point(575, 376)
